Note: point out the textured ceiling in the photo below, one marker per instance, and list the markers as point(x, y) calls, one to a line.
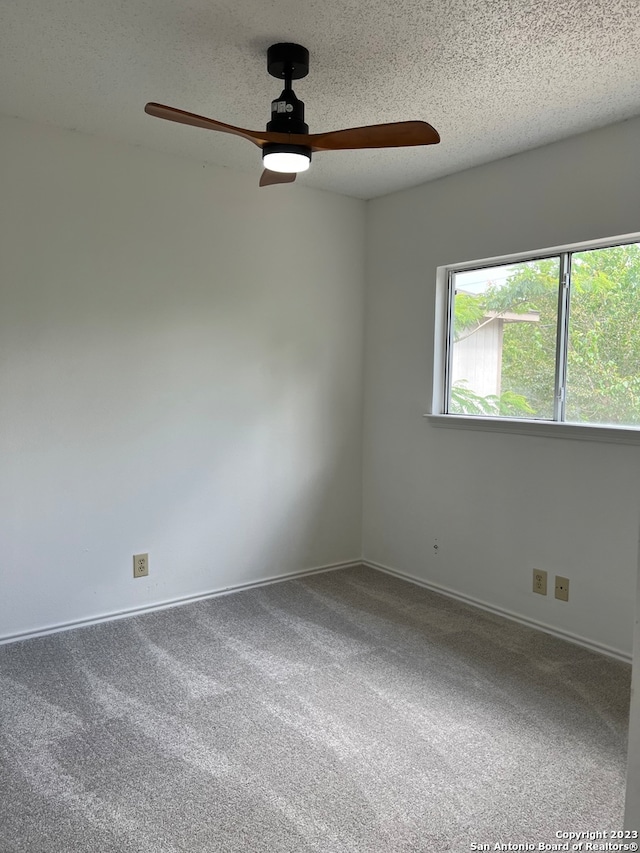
point(493, 76)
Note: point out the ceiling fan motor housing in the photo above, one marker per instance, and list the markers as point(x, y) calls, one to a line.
point(287, 114)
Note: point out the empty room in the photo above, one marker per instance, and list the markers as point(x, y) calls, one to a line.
point(319, 426)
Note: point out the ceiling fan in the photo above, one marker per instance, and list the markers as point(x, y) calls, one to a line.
point(286, 144)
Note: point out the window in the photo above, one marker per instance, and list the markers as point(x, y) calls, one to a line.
point(551, 338)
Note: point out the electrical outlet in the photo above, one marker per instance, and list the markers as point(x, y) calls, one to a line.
point(140, 565)
point(562, 588)
point(540, 581)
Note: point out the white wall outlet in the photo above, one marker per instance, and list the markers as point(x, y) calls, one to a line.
point(540, 581)
point(140, 565)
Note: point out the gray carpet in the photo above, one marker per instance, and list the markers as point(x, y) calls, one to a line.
point(348, 712)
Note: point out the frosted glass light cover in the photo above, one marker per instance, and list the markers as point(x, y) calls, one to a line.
point(286, 161)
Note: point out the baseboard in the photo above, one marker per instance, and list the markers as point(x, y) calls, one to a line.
point(174, 602)
point(507, 614)
point(434, 587)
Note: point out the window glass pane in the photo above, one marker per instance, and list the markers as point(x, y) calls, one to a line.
point(603, 353)
point(504, 340)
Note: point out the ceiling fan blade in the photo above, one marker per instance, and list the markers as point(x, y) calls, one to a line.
point(171, 114)
point(395, 135)
point(268, 177)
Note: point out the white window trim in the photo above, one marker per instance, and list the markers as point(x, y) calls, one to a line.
point(554, 429)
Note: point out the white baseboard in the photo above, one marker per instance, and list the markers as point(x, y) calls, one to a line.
point(507, 614)
point(174, 602)
point(434, 587)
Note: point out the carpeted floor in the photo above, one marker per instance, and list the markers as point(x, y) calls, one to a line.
point(347, 712)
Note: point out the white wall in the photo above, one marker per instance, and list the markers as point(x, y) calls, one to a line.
point(180, 373)
point(497, 504)
point(500, 504)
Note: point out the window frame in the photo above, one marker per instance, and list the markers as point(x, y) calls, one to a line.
point(443, 345)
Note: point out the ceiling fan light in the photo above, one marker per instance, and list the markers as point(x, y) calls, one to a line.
point(286, 158)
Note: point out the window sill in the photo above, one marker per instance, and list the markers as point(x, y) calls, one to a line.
point(580, 432)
